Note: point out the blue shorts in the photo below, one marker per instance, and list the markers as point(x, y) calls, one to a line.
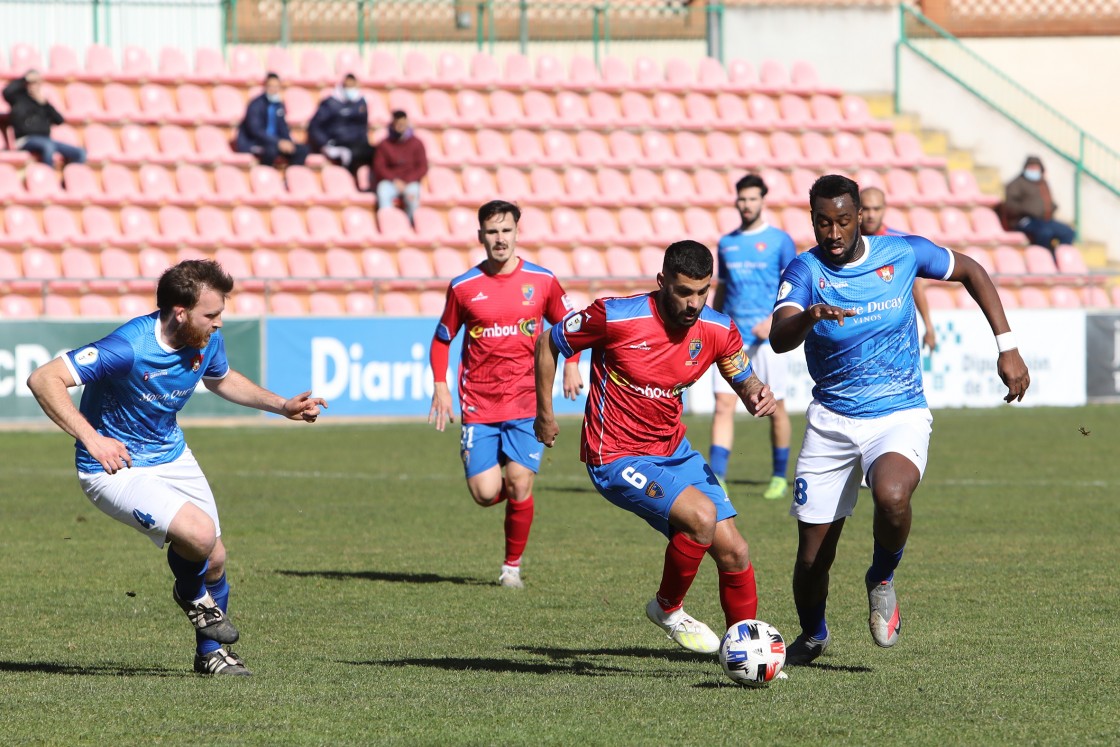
point(484, 445)
point(649, 485)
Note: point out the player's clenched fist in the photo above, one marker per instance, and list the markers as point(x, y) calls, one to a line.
point(547, 430)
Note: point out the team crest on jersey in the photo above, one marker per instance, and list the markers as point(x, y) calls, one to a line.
point(196, 362)
point(886, 272)
point(465, 455)
point(821, 283)
point(654, 491)
point(694, 347)
point(527, 291)
point(760, 246)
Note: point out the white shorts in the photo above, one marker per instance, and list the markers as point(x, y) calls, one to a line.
point(827, 480)
point(769, 367)
point(147, 498)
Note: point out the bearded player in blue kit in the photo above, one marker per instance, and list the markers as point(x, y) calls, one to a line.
point(849, 300)
point(133, 462)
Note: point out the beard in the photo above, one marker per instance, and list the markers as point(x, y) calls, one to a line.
point(188, 337)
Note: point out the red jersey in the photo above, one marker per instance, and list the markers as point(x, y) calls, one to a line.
point(502, 314)
point(639, 371)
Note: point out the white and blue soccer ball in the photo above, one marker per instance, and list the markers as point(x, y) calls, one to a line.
point(752, 653)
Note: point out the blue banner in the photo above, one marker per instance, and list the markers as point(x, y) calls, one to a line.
point(367, 366)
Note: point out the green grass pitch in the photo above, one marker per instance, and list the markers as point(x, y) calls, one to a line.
point(363, 584)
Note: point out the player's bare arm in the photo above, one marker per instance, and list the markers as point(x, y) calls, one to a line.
point(791, 325)
point(49, 383)
point(442, 411)
point(236, 388)
point(573, 380)
point(757, 397)
point(1010, 365)
point(545, 426)
point(929, 339)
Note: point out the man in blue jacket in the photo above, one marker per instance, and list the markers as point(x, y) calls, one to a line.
point(340, 128)
point(264, 131)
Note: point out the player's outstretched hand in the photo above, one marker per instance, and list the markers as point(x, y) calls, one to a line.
point(110, 453)
point(547, 430)
point(573, 381)
point(761, 403)
point(1013, 372)
point(822, 311)
point(441, 413)
point(304, 407)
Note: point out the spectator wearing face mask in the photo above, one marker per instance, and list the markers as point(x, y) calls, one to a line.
point(1029, 207)
point(398, 166)
point(264, 131)
point(340, 128)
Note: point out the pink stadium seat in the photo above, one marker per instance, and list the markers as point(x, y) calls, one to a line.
point(1031, 298)
point(244, 66)
point(24, 57)
point(63, 64)
point(1063, 297)
point(137, 145)
point(710, 75)
point(414, 264)
point(622, 262)
point(323, 228)
point(923, 222)
point(966, 191)
point(462, 226)
point(79, 264)
point(603, 110)
point(902, 188)
point(666, 222)
point(451, 71)
point(1039, 261)
point(955, 227)
point(175, 226)
point(635, 226)
point(534, 226)
point(137, 227)
point(615, 74)
point(795, 221)
point(157, 104)
point(856, 114)
point(602, 224)
point(567, 226)
point(288, 228)
point(209, 66)
point(131, 305)
point(493, 149)
point(588, 262)
point(478, 183)
point(539, 109)
point(448, 262)
point(431, 303)
point(803, 78)
point(795, 111)
point(302, 185)
point(172, 67)
point(485, 72)
point(17, 307)
point(473, 109)
point(277, 60)
point(120, 103)
point(772, 77)
point(722, 149)
point(826, 112)
point(42, 183)
point(700, 225)
point(357, 223)
point(583, 74)
point(870, 178)
point(57, 306)
point(99, 65)
point(546, 186)
point(378, 263)
point(249, 230)
point(175, 144)
point(647, 74)
point(1095, 297)
point(284, 303)
point(741, 76)
point(59, 227)
point(580, 187)
point(635, 109)
point(230, 185)
point(39, 264)
point(514, 184)
point(268, 264)
point(439, 108)
point(777, 185)
point(82, 103)
point(518, 73)
point(613, 187)
point(396, 303)
point(732, 112)
point(384, 70)
point(118, 184)
point(934, 187)
point(136, 65)
point(156, 185)
point(360, 304)
point(346, 61)
point(939, 298)
point(299, 106)
point(82, 185)
point(763, 112)
point(571, 109)
point(626, 148)
point(267, 186)
point(1070, 261)
point(342, 264)
point(247, 304)
point(816, 151)
point(314, 69)
point(193, 184)
point(785, 149)
point(848, 151)
point(431, 228)
point(699, 111)
point(689, 149)
point(909, 151)
point(406, 100)
point(982, 257)
point(1009, 261)
point(324, 304)
point(228, 105)
point(557, 260)
point(550, 74)
point(879, 150)
point(677, 185)
point(986, 228)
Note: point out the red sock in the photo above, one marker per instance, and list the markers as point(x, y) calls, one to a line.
point(738, 595)
point(682, 560)
point(519, 518)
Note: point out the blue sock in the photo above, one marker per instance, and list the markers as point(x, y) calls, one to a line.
point(883, 563)
point(717, 460)
point(780, 457)
point(220, 591)
point(812, 621)
point(189, 575)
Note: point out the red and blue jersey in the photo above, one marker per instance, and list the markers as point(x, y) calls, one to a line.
point(640, 370)
point(502, 315)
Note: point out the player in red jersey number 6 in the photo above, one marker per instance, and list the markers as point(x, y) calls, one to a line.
point(646, 351)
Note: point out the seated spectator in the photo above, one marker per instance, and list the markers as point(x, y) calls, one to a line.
point(32, 117)
point(264, 131)
point(399, 163)
point(1029, 207)
point(340, 128)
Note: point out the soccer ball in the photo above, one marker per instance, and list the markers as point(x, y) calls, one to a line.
point(752, 653)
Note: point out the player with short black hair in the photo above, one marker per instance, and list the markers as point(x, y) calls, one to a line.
point(849, 301)
point(646, 351)
point(133, 461)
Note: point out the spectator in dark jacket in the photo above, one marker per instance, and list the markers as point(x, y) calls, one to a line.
point(1029, 207)
point(398, 166)
point(264, 131)
point(340, 128)
point(33, 116)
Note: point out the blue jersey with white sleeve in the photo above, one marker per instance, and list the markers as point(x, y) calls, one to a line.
point(871, 366)
point(134, 386)
point(750, 265)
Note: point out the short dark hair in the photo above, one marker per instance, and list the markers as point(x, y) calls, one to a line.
point(399, 114)
point(498, 207)
point(689, 258)
point(349, 77)
point(832, 186)
point(182, 284)
point(270, 76)
point(751, 180)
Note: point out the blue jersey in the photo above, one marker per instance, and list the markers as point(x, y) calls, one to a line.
point(871, 366)
point(750, 265)
point(134, 386)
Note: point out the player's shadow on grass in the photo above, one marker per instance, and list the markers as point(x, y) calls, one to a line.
point(455, 664)
point(640, 652)
point(401, 578)
point(96, 670)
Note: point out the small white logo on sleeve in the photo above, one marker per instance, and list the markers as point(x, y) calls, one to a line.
point(86, 357)
point(574, 323)
point(784, 289)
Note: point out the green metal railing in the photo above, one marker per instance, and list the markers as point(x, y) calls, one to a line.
point(933, 44)
point(482, 23)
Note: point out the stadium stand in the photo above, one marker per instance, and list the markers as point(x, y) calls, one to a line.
point(606, 162)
